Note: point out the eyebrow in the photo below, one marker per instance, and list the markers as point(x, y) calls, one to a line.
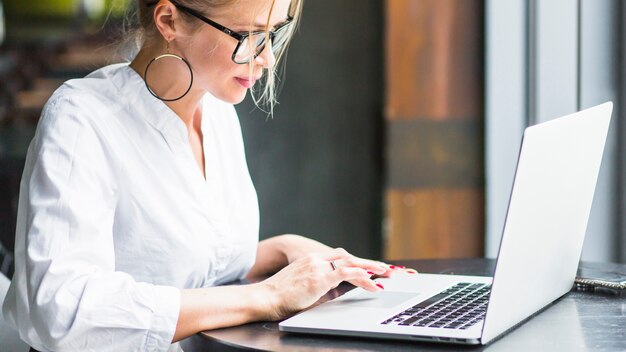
point(261, 26)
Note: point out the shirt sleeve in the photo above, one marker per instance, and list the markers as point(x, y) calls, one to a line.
point(74, 297)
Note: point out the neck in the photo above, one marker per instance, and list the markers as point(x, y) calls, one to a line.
point(165, 84)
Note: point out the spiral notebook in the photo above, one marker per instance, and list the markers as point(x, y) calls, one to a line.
point(605, 276)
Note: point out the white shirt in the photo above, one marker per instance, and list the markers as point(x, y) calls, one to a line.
point(115, 216)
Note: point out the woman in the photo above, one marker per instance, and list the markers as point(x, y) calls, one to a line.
point(136, 202)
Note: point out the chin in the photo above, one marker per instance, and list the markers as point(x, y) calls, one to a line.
point(240, 98)
point(232, 97)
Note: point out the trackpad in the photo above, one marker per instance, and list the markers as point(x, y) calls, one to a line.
point(375, 299)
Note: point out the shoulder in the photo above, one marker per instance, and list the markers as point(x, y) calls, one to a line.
point(94, 91)
point(79, 117)
point(87, 100)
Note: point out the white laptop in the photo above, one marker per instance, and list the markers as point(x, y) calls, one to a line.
point(539, 253)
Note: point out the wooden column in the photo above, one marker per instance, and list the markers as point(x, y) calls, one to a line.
point(434, 117)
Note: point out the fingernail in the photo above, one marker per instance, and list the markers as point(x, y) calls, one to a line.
point(381, 286)
point(411, 271)
point(370, 272)
point(396, 267)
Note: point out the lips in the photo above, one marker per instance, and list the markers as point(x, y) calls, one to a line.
point(246, 82)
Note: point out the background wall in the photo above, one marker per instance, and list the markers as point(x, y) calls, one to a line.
point(434, 142)
point(317, 165)
point(546, 59)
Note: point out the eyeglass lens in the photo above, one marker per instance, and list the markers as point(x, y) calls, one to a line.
point(254, 44)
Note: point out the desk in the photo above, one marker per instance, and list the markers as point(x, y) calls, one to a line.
point(579, 321)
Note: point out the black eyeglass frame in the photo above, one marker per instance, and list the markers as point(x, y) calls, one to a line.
point(239, 36)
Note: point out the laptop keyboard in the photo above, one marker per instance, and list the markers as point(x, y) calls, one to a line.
point(458, 307)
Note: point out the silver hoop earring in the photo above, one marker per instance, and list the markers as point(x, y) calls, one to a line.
point(164, 56)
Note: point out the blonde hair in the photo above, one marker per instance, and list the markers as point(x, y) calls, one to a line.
point(266, 98)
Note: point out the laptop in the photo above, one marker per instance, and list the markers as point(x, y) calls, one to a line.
point(542, 240)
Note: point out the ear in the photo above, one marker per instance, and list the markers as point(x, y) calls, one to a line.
point(165, 15)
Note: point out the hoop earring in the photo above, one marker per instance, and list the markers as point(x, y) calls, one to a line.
point(172, 56)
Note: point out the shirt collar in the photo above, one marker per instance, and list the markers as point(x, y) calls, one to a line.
point(134, 92)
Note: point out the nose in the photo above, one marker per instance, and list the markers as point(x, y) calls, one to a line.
point(266, 58)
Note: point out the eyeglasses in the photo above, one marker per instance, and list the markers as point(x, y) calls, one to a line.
point(250, 44)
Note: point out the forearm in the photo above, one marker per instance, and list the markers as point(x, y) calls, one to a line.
point(270, 258)
point(219, 307)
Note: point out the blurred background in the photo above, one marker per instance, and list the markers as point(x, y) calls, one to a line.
point(399, 121)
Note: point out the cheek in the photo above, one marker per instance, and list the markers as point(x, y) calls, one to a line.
point(216, 73)
point(214, 70)
point(208, 63)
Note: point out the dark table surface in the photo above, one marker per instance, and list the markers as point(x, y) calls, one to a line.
point(579, 321)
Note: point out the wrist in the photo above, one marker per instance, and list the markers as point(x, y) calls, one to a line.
point(289, 246)
point(265, 302)
point(294, 247)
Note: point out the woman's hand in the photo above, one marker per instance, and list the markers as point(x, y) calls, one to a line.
point(275, 253)
point(300, 284)
point(294, 247)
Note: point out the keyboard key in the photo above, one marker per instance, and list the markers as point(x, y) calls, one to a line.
point(458, 307)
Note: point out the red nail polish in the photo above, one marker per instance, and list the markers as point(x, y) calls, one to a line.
point(396, 267)
point(370, 272)
point(400, 266)
point(411, 272)
point(379, 285)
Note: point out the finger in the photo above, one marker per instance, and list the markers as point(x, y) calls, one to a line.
point(366, 264)
point(355, 276)
point(396, 268)
point(367, 284)
point(386, 269)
